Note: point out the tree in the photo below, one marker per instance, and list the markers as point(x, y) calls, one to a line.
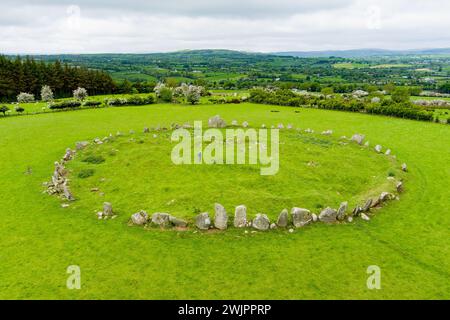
point(191, 93)
point(24, 97)
point(46, 93)
point(80, 93)
point(400, 95)
point(163, 92)
point(4, 110)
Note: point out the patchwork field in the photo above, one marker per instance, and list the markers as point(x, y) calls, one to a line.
point(407, 239)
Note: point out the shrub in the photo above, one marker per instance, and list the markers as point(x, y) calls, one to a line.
point(166, 94)
point(91, 103)
point(86, 173)
point(24, 97)
point(68, 104)
point(19, 109)
point(94, 159)
point(4, 109)
point(131, 101)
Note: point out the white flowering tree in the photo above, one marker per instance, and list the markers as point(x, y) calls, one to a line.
point(24, 97)
point(46, 94)
point(192, 93)
point(80, 93)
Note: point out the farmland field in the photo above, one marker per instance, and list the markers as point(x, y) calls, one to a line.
point(407, 239)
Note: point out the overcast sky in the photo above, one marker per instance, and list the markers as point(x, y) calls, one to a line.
point(70, 26)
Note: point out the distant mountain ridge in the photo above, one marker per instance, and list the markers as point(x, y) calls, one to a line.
point(360, 53)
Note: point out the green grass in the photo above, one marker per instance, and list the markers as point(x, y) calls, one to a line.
point(408, 239)
point(349, 65)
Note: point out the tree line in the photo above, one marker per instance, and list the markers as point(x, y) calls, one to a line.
point(28, 75)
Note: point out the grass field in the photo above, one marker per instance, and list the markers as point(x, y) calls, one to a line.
point(408, 239)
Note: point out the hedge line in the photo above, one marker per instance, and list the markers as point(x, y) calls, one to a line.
point(384, 107)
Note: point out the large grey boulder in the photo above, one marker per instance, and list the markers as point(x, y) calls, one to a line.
point(358, 138)
point(301, 217)
point(202, 221)
point(139, 218)
point(240, 216)
point(342, 211)
point(161, 219)
point(177, 222)
point(220, 217)
point(283, 219)
point(328, 215)
point(216, 122)
point(261, 222)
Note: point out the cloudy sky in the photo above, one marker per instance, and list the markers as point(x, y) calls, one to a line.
point(92, 26)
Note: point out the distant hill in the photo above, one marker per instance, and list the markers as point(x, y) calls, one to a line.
point(361, 53)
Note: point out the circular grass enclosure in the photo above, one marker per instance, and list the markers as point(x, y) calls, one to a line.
point(135, 172)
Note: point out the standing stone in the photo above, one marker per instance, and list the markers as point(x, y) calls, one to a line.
point(367, 144)
point(365, 217)
point(220, 217)
point(300, 217)
point(177, 222)
point(385, 196)
point(314, 217)
point(161, 219)
point(378, 148)
point(404, 167)
point(273, 226)
point(388, 152)
point(107, 209)
point(350, 219)
point(202, 221)
point(367, 205)
point(358, 138)
point(261, 222)
point(342, 210)
point(68, 155)
point(81, 145)
point(140, 218)
point(399, 186)
point(356, 211)
point(245, 124)
point(146, 130)
point(280, 126)
point(327, 132)
point(216, 122)
point(240, 216)
point(283, 219)
point(67, 194)
point(234, 123)
point(328, 215)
